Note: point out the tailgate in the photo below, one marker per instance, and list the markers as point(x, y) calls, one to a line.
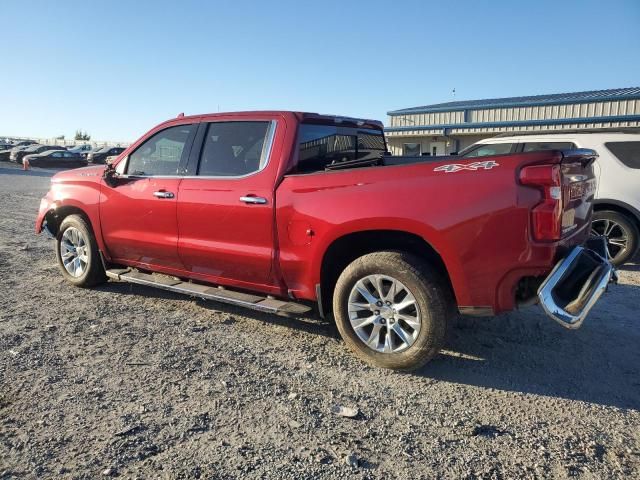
point(578, 190)
point(566, 181)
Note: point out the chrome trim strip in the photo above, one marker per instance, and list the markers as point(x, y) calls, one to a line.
point(553, 310)
point(253, 200)
point(264, 156)
point(266, 148)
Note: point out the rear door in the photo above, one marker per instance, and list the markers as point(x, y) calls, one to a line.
point(138, 213)
point(226, 204)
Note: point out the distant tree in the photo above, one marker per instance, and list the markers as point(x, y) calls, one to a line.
point(60, 137)
point(80, 135)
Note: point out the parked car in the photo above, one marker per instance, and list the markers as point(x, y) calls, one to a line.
point(617, 199)
point(18, 155)
point(5, 155)
point(307, 208)
point(55, 158)
point(25, 142)
point(80, 149)
point(101, 155)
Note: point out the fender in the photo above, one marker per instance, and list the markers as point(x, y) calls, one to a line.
point(75, 190)
point(314, 253)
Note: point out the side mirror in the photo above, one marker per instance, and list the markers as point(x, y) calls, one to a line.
point(453, 154)
point(110, 175)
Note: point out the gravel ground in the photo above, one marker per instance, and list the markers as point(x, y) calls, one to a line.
point(132, 382)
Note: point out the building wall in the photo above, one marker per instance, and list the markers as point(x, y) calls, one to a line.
point(457, 129)
point(513, 114)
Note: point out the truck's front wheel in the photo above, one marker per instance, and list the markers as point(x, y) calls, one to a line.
point(392, 310)
point(77, 253)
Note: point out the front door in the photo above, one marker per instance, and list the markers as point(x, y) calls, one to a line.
point(225, 212)
point(138, 212)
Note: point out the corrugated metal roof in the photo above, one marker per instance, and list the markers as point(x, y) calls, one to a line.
point(553, 99)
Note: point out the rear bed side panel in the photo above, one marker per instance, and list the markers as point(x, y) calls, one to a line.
point(478, 221)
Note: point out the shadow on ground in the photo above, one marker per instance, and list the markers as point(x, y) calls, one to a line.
point(310, 324)
point(529, 353)
point(520, 352)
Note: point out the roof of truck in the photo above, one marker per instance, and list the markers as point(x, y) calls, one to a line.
point(319, 117)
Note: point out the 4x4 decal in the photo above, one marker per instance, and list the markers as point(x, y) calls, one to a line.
point(456, 167)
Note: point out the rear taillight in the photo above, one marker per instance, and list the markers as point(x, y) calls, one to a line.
point(546, 217)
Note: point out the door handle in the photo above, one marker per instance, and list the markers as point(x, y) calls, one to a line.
point(253, 199)
point(163, 194)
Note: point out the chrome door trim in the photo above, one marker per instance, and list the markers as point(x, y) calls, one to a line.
point(265, 157)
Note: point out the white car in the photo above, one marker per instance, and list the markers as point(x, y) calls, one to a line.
point(84, 148)
point(617, 204)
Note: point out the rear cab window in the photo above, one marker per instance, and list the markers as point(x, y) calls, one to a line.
point(627, 152)
point(322, 146)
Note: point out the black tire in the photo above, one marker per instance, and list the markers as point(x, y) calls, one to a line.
point(433, 300)
point(94, 273)
point(624, 226)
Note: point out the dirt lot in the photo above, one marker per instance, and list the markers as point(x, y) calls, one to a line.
point(132, 382)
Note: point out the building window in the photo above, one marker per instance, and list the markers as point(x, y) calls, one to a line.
point(411, 149)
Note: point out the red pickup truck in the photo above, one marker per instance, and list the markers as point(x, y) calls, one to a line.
point(282, 211)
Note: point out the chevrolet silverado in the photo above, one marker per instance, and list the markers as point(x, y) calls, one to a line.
point(283, 211)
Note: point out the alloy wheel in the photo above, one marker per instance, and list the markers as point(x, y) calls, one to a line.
point(384, 314)
point(616, 236)
point(74, 252)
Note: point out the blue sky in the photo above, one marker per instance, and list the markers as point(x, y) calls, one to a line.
point(116, 68)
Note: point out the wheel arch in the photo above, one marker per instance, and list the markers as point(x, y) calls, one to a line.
point(345, 249)
point(55, 217)
point(618, 206)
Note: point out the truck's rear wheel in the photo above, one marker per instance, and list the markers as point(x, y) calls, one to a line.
point(392, 310)
point(77, 253)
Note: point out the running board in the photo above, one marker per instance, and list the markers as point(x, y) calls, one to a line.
point(206, 292)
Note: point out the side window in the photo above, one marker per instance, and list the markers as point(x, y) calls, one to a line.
point(627, 152)
point(57, 155)
point(233, 149)
point(536, 146)
point(489, 149)
point(161, 154)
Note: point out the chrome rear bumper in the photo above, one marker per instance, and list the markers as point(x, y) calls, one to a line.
point(574, 286)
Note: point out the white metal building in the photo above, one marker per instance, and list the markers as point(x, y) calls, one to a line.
point(449, 127)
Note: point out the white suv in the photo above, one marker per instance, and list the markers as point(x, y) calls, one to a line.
point(617, 205)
